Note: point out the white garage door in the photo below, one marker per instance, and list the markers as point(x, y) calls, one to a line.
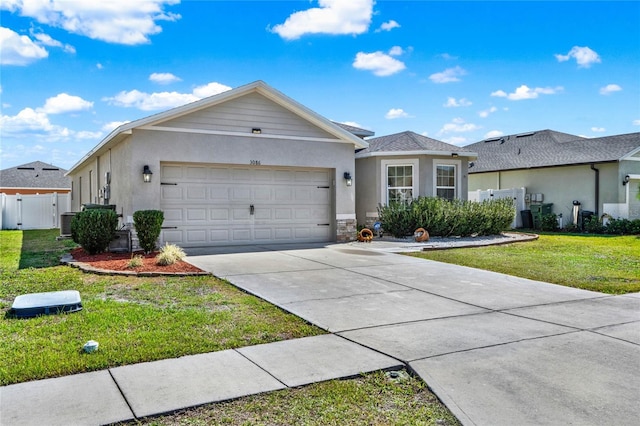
point(208, 205)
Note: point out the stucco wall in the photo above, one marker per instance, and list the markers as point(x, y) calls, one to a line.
point(371, 170)
point(149, 147)
point(561, 185)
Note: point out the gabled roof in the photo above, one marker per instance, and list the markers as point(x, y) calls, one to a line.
point(548, 148)
point(260, 87)
point(410, 143)
point(35, 175)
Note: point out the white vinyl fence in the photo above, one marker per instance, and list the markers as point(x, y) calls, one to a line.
point(516, 194)
point(39, 211)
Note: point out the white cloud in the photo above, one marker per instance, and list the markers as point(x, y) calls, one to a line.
point(493, 134)
point(525, 92)
point(584, 56)
point(164, 78)
point(46, 40)
point(388, 26)
point(448, 76)
point(447, 56)
point(114, 21)
point(379, 63)
point(598, 129)
point(636, 122)
point(455, 103)
point(163, 100)
point(332, 17)
point(99, 66)
point(394, 113)
point(610, 88)
point(458, 125)
point(396, 51)
point(111, 126)
point(210, 89)
point(64, 103)
point(455, 140)
point(19, 50)
point(485, 113)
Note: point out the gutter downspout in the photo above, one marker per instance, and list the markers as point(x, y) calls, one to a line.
point(597, 187)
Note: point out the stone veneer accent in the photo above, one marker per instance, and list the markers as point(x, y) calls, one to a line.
point(346, 230)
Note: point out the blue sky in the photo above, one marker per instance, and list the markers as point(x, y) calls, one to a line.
point(72, 70)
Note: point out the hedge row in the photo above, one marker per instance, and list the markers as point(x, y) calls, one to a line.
point(446, 218)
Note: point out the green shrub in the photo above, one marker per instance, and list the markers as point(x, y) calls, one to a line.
point(549, 222)
point(445, 218)
point(592, 225)
point(94, 229)
point(169, 254)
point(148, 224)
point(622, 227)
point(397, 219)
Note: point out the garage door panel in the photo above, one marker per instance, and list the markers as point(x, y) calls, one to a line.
point(219, 214)
point(196, 193)
point(173, 215)
point(263, 214)
point(219, 236)
point(195, 236)
point(171, 193)
point(171, 172)
point(210, 205)
point(197, 215)
point(264, 234)
point(242, 193)
point(219, 193)
point(197, 173)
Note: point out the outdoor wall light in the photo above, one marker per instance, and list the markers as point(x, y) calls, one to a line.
point(256, 130)
point(146, 174)
point(625, 180)
point(347, 178)
point(454, 154)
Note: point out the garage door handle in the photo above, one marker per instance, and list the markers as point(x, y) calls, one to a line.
point(323, 187)
point(252, 209)
point(324, 224)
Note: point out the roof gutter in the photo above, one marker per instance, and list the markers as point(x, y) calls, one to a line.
point(597, 187)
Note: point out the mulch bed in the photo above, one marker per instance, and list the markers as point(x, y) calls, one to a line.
point(120, 262)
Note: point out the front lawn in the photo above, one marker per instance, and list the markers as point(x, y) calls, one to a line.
point(608, 264)
point(134, 319)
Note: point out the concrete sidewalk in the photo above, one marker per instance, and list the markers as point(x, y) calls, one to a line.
point(140, 390)
point(496, 349)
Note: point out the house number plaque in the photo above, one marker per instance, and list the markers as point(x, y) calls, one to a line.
point(254, 162)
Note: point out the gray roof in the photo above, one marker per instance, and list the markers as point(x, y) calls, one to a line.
point(548, 148)
point(35, 175)
point(361, 133)
point(411, 143)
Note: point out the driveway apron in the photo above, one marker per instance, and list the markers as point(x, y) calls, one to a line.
point(496, 349)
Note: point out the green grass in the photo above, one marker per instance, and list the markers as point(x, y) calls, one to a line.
point(607, 264)
point(134, 319)
point(372, 399)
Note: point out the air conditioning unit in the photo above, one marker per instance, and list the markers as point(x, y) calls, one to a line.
point(65, 223)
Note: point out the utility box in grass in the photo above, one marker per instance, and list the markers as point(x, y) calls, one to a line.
point(121, 242)
point(539, 210)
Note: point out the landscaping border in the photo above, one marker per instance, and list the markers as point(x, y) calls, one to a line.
point(70, 261)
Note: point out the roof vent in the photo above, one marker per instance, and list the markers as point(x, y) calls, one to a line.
point(26, 168)
point(524, 135)
point(54, 169)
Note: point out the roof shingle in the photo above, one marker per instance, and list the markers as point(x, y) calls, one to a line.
point(34, 175)
point(408, 142)
point(547, 148)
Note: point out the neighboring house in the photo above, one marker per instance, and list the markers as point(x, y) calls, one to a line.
point(247, 166)
point(34, 178)
point(603, 174)
point(403, 166)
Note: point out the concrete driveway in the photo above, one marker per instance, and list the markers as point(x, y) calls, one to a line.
point(496, 349)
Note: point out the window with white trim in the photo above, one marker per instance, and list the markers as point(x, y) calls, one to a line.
point(399, 180)
point(399, 184)
point(446, 178)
